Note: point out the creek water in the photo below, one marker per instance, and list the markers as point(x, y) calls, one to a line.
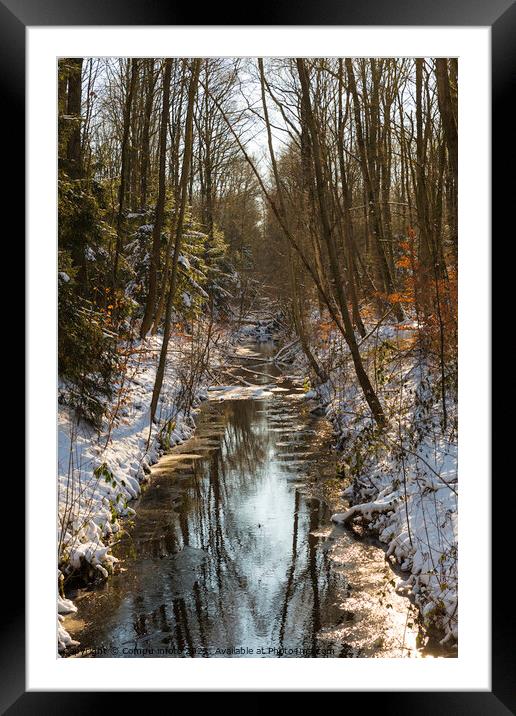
point(232, 552)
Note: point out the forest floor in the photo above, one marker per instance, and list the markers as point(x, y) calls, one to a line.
point(402, 484)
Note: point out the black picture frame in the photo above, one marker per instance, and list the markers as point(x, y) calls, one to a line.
point(500, 15)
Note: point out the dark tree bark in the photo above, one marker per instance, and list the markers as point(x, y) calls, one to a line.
point(73, 109)
point(448, 112)
point(446, 75)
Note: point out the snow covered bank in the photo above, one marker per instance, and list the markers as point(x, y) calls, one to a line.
point(99, 473)
point(402, 481)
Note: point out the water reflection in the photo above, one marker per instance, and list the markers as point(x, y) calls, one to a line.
point(222, 555)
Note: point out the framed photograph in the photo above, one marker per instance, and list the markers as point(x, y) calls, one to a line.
point(258, 291)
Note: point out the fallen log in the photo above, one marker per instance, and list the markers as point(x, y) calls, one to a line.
point(367, 509)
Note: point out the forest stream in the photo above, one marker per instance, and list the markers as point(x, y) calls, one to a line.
point(232, 551)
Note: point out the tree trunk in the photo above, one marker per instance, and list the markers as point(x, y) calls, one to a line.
point(123, 170)
point(174, 179)
point(150, 82)
point(183, 188)
point(160, 206)
point(448, 113)
point(299, 323)
point(73, 153)
point(372, 194)
point(69, 96)
point(363, 379)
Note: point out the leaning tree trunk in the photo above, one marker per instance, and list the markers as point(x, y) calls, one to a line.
point(299, 321)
